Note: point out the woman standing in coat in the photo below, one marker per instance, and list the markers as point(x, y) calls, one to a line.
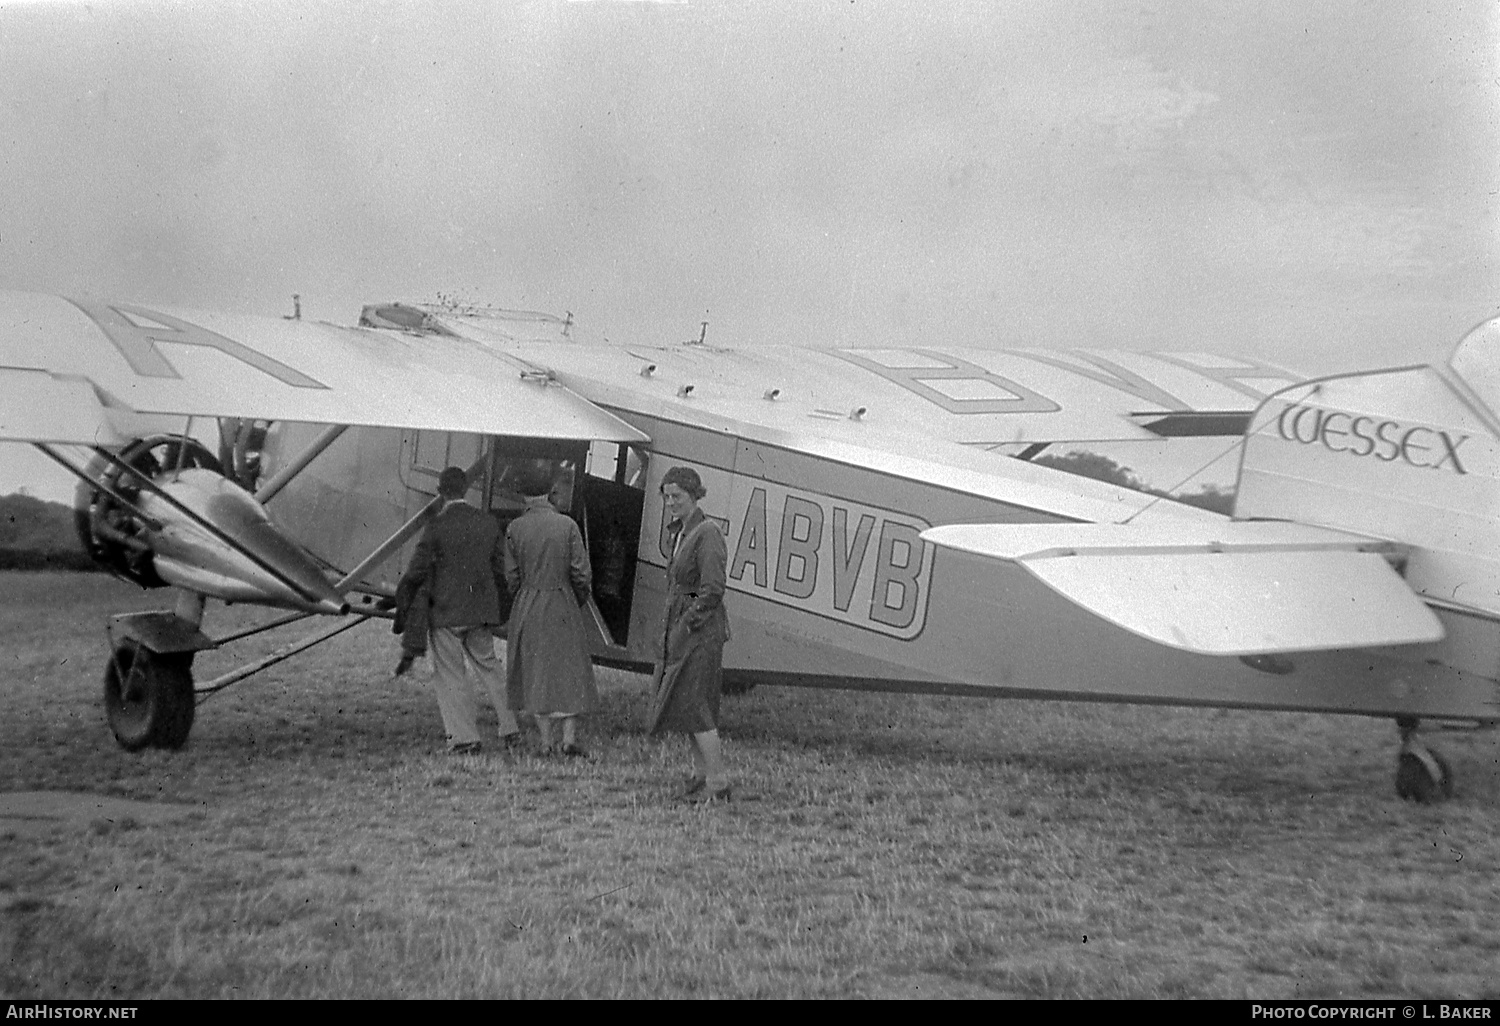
point(547, 666)
point(688, 676)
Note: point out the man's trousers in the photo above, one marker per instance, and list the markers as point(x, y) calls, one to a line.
point(455, 651)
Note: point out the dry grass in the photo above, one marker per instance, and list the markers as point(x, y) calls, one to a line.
point(895, 846)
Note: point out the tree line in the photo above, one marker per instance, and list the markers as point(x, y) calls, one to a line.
point(39, 535)
point(1102, 468)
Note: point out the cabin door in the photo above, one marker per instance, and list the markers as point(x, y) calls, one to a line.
point(593, 484)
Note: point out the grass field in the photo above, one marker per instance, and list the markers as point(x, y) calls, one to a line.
point(892, 845)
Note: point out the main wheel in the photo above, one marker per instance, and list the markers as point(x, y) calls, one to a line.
point(148, 697)
point(1423, 776)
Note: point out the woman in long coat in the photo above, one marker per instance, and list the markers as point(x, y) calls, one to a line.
point(547, 667)
point(688, 676)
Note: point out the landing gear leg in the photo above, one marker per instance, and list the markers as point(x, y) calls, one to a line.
point(148, 697)
point(1422, 775)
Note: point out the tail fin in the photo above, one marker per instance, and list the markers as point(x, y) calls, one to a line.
point(1411, 455)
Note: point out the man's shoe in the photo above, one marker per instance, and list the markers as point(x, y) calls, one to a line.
point(405, 664)
point(466, 748)
point(575, 751)
point(704, 797)
point(690, 788)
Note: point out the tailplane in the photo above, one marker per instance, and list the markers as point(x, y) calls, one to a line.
point(1411, 455)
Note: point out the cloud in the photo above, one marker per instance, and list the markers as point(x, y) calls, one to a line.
point(802, 172)
point(1142, 107)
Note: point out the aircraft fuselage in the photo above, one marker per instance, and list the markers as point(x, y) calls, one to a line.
point(830, 584)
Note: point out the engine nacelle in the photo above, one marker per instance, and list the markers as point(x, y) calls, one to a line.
point(112, 533)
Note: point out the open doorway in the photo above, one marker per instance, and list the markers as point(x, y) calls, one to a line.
point(615, 497)
point(601, 486)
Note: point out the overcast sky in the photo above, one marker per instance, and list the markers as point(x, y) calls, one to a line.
point(1313, 182)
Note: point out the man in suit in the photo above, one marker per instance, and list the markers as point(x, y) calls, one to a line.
point(458, 559)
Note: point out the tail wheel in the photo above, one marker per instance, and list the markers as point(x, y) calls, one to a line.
point(148, 697)
point(1423, 776)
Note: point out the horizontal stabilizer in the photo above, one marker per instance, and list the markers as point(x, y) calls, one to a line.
point(1231, 588)
point(41, 408)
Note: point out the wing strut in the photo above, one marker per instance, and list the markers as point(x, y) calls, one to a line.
point(403, 534)
point(291, 470)
point(107, 489)
point(182, 449)
point(388, 548)
point(223, 681)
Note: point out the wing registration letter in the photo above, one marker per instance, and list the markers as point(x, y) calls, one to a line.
point(135, 332)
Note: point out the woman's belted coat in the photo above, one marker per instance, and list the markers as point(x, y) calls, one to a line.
point(547, 665)
point(691, 654)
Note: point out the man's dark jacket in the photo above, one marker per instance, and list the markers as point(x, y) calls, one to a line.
point(459, 558)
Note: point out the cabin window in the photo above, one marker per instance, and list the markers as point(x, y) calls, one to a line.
point(463, 451)
point(622, 464)
point(430, 454)
point(504, 496)
point(432, 451)
point(602, 459)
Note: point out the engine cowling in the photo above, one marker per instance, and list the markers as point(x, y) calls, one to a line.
point(110, 531)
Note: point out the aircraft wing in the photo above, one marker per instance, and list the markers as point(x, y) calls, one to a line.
point(71, 368)
point(986, 398)
point(1225, 588)
point(37, 407)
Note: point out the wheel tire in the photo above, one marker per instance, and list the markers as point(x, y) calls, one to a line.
point(1414, 779)
point(149, 698)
